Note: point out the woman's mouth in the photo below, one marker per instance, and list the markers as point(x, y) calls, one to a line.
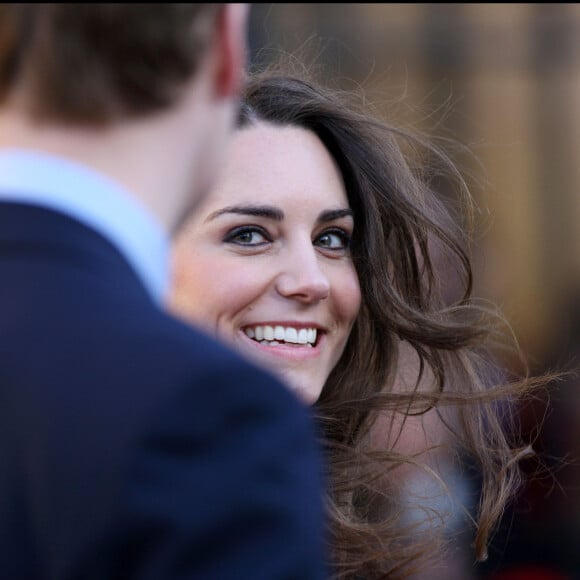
point(268, 335)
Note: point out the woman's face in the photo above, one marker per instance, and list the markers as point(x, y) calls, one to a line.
point(265, 264)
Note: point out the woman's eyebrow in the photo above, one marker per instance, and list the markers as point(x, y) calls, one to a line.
point(333, 214)
point(266, 211)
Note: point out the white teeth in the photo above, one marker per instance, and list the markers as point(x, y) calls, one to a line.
point(269, 334)
point(291, 335)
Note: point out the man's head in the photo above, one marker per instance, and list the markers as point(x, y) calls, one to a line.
point(97, 63)
point(158, 81)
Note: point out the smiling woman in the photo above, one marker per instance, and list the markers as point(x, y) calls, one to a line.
point(316, 257)
point(272, 250)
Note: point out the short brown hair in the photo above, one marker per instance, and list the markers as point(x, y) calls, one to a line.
point(97, 63)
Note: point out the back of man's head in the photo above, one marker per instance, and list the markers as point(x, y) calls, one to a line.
point(95, 64)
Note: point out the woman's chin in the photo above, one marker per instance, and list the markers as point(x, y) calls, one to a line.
point(306, 392)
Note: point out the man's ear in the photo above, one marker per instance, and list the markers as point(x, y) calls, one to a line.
point(231, 47)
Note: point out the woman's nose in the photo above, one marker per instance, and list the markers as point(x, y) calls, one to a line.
point(302, 278)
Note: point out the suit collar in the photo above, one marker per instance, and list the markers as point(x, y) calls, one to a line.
point(52, 182)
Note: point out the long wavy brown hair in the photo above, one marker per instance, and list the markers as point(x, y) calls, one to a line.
point(403, 234)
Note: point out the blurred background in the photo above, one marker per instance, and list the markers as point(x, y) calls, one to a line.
point(504, 80)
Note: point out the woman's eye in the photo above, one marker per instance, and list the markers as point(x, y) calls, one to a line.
point(333, 240)
point(247, 236)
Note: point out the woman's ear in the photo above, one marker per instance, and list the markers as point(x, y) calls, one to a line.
point(231, 46)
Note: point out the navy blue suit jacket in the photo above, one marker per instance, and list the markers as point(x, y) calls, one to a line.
point(131, 445)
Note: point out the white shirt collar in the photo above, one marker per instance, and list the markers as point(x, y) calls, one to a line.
point(95, 200)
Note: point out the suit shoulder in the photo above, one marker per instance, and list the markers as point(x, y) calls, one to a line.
point(192, 359)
